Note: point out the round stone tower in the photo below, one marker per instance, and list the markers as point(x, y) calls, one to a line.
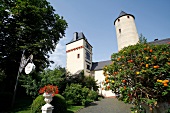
point(126, 30)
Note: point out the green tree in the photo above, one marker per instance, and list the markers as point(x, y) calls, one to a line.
point(90, 83)
point(140, 74)
point(33, 82)
point(30, 25)
point(142, 39)
point(85, 81)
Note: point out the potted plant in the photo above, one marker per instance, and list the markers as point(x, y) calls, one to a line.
point(48, 92)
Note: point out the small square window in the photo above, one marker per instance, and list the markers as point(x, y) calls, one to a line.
point(118, 20)
point(127, 16)
point(78, 55)
point(88, 67)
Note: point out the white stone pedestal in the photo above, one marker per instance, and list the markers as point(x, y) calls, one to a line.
point(47, 108)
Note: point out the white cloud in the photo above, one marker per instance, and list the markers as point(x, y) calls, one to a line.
point(59, 55)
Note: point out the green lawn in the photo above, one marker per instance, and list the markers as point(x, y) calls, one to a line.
point(24, 106)
point(73, 109)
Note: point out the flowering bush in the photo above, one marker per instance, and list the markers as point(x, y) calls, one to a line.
point(140, 74)
point(49, 89)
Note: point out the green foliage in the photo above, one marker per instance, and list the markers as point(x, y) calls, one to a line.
point(142, 39)
point(35, 81)
point(90, 83)
point(93, 95)
point(78, 95)
point(87, 81)
point(58, 102)
point(30, 25)
point(140, 74)
point(37, 104)
point(73, 93)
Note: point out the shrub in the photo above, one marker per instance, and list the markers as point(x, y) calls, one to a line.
point(93, 95)
point(58, 102)
point(90, 83)
point(73, 94)
point(37, 104)
point(78, 95)
point(140, 74)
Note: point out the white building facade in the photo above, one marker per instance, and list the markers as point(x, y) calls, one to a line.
point(126, 31)
point(79, 51)
point(79, 55)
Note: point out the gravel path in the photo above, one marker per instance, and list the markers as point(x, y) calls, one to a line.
point(107, 105)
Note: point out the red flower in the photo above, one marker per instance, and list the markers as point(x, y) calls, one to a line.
point(49, 89)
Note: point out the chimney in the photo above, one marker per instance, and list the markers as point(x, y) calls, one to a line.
point(75, 36)
point(155, 39)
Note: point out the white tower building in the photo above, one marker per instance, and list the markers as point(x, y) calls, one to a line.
point(126, 30)
point(79, 54)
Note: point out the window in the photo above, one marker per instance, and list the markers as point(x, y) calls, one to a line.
point(78, 55)
point(87, 46)
point(87, 55)
point(118, 20)
point(88, 67)
point(127, 16)
point(119, 30)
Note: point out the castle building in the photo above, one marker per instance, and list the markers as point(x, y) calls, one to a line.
point(79, 55)
point(126, 31)
point(79, 51)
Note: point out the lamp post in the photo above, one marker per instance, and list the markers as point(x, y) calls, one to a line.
point(23, 63)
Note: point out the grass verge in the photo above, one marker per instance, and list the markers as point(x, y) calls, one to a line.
point(73, 109)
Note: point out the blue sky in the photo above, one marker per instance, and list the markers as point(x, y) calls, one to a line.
point(95, 19)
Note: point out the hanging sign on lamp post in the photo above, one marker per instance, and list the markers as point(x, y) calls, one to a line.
point(30, 66)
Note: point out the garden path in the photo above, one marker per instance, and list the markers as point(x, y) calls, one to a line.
point(107, 105)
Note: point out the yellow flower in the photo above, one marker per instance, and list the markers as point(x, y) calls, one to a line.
point(137, 73)
point(147, 58)
point(143, 70)
point(113, 81)
point(159, 80)
point(147, 65)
